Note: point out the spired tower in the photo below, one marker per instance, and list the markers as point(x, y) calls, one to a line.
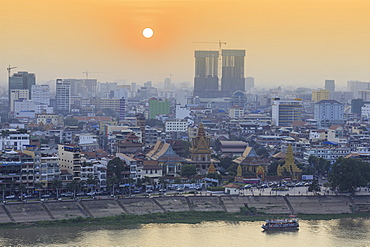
point(200, 152)
point(289, 165)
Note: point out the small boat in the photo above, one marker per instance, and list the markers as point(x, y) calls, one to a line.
point(281, 224)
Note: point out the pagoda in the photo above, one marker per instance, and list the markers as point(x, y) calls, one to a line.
point(200, 152)
point(289, 165)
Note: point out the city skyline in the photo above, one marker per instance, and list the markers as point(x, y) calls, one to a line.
point(287, 43)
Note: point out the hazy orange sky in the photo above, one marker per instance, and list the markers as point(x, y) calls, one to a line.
point(288, 42)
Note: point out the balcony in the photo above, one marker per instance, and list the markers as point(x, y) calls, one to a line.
point(76, 169)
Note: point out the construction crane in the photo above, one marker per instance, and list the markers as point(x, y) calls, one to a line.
point(220, 43)
point(87, 73)
point(9, 70)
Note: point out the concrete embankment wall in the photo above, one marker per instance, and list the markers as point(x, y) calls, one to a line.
point(57, 210)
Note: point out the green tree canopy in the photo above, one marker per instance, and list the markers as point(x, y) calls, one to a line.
point(109, 112)
point(321, 165)
point(348, 174)
point(115, 167)
point(154, 123)
point(70, 121)
point(188, 170)
point(314, 187)
point(74, 186)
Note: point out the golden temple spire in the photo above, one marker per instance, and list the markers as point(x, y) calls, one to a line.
point(289, 165)
point(239, 171)
point(211, 168)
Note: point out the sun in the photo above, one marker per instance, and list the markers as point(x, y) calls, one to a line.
point(148, 32)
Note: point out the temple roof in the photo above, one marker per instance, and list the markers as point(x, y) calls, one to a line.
point(250, 157)
point(163, 152)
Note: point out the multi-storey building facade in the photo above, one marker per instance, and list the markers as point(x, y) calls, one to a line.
point(329, 112)
point(176, 125)
point(157, 107)
point(22, 80)
point(63, 96)
point(330, 85)
point(285, 112)
point(323, 94)
point(40, 94)
point(13, 139)
point(70, 160)
point(135, 165)
point(206, 74)
point(17, 95)
point(328, 153)
point(232, 72)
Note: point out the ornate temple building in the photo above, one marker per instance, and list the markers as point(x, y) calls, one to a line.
point(166, 158)
point(289, 167)
point(200, 153)
point(250, 163)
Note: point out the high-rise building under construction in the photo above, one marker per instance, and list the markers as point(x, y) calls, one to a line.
point(232, 72)
point(206, 80)
point(206, 74)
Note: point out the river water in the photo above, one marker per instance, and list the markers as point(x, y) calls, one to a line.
point(343, 232)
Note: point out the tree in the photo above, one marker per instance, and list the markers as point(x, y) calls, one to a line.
point(272, 168)
point(74, 186)
point(314, 187)
point(348, 174)
point(3, 188)
point(186, 147)
point(22, 188)
point(112, 181)
point(188, 170)
point(70, 121)
point(154, 123)
point(38, 187)
point(91, 182)
point(109, 112)
point(320, 165)
point(115, 167)
point(56, 184)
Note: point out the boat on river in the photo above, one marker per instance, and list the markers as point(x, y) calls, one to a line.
point(281, 224)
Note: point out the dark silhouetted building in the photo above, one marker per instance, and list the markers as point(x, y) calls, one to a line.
point(206, 74)
point(232, 72)
point(249, 83)
point(21, 80)
point(330, 85)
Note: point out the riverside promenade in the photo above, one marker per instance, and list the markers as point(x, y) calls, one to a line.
point(269, 204)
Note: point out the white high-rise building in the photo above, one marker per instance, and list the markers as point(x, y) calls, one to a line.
point(18, 94)
point(40, 94)
point(285, 112)
point(329, 112)
point(63, 96)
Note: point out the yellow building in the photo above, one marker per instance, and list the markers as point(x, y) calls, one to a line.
point(320, 95)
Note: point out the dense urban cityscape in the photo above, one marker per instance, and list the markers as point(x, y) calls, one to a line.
point(82, 137)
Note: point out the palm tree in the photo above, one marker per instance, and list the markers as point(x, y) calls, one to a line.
point(91, 182)
point(38, 187)
point(74, 186)
point(3, 188)
point(56, 184)
point(112, 181)
point(22, 188)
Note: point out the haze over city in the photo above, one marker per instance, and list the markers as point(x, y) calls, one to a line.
point(287, 43)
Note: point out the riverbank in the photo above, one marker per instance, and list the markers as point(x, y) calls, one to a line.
point(191, 209)
point(193, 217)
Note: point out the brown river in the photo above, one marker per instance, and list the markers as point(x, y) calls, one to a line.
point(343, 232)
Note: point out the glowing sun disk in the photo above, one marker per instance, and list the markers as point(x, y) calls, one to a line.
point(148, 32)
